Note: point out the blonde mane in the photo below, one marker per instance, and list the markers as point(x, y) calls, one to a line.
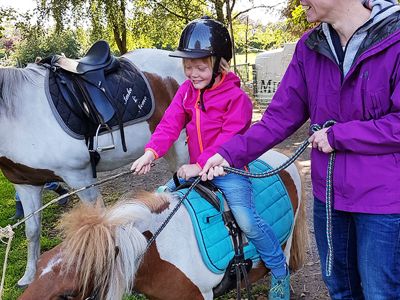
point(105, 244)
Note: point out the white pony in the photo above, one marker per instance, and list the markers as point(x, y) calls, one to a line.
point(34, 149)
point(101, 254)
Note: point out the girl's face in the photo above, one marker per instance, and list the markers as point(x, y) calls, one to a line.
point(198, 71)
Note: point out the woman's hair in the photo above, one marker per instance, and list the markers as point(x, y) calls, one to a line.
point(224, 66)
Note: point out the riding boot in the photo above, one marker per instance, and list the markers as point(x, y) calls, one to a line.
point(60, 190)
point(19, 211)
point(280, 287)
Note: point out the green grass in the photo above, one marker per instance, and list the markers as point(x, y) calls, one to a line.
point(17, 256)
point(241, 58)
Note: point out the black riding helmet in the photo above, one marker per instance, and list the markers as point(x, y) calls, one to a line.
point(202, 38)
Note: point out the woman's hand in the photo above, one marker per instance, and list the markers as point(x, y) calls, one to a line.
point(214, 167)
point(188, 171)
point(143, 164)
point(319, 140)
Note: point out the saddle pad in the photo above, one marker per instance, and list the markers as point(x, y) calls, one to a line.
point(215, 244)
point(127, 85)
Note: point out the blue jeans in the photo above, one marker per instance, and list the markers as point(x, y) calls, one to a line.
point(366, 249)
point(51, 186)
point(239, 194)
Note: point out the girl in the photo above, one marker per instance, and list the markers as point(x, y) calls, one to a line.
point(212, 108)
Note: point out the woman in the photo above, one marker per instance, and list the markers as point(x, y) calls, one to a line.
point(345, 70)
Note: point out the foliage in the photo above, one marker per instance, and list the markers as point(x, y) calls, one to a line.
point(107, 17)
point(296, 18)
point(37, 42)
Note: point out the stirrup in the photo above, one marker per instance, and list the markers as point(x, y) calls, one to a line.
point(96, 139)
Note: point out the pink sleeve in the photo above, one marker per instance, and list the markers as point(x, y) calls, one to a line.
point(170, 126)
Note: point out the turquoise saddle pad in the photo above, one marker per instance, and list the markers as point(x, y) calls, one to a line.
point(215, 244)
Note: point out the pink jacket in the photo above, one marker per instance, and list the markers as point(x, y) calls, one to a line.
point(228, 111)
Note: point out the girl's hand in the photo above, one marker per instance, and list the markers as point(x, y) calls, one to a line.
point(214, 167)
point(319, 140)
point(188, 171)
point(143, 164)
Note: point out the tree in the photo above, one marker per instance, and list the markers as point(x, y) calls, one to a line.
point(110, 14)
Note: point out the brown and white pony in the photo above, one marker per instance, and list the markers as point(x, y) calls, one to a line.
point(35, 149)
point(101, 255)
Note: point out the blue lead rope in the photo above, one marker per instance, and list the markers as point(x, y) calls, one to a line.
point(329, 186)
point(329, 200)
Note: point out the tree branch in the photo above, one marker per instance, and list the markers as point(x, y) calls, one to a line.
point(254, 7)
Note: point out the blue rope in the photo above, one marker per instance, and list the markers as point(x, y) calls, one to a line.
point(329, 186)
point(329, 200)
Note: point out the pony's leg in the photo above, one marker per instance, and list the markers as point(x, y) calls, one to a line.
point(79, 179)
point(31, 199)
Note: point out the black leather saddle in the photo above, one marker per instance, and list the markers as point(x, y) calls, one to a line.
point(82, 82)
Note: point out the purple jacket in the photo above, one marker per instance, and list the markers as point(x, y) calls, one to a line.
point(366, 105)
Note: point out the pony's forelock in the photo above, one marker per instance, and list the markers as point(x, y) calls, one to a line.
point(92, 235)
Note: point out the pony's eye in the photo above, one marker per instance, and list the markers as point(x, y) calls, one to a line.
point(66, 296)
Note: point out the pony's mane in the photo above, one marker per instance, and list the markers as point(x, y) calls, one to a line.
point(11, 80)
point(103, 247)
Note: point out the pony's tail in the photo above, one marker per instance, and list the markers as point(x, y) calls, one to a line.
point(300, 235)
point(103, 246)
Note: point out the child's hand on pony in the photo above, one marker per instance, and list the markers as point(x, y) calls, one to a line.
point(188, 171)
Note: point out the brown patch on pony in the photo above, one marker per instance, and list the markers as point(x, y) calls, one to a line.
point(156, 202)
point(49, 285)
point(21, 174)
point(160, 280)
point(300, 232)
point(164, 90)
point(256, 273)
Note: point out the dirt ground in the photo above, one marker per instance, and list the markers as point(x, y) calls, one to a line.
point(306, 283)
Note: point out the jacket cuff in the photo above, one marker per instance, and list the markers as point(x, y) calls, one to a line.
point(331, 137)
point(156, 156)
point(226, 156)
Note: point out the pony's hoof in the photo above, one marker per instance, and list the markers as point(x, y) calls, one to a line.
point(63, 202)
point(21, 286)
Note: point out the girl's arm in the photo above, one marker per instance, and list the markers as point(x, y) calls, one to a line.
point(170, 126)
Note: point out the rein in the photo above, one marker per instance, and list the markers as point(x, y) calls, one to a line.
point(329, 186)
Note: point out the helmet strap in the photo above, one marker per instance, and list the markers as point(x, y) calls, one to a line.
point(211, 83)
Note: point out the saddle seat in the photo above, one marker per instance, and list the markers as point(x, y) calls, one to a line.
point(98, 57)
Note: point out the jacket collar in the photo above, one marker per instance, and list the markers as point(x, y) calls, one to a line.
point(317, 40)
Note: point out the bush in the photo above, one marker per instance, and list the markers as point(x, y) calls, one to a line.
point(38, 43)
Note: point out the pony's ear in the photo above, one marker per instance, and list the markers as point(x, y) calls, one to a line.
point(156, 202)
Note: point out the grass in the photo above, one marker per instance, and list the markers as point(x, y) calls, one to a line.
point(17, 256)
point(241, 58)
